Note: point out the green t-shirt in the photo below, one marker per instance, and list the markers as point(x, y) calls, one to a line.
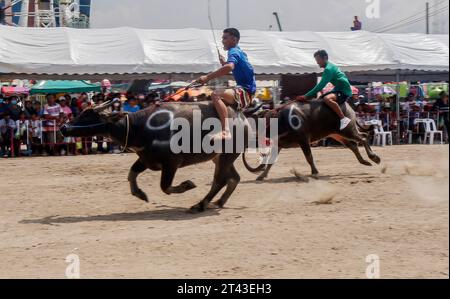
point(335, 76)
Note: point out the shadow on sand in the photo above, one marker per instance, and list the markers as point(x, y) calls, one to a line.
point(166, 214)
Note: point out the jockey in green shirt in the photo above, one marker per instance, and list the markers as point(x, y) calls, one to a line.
point(342, 89)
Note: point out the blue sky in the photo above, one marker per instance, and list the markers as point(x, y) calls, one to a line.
point(318, 15)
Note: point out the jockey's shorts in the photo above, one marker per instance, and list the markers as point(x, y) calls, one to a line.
point(243, 98)
point(341, 97)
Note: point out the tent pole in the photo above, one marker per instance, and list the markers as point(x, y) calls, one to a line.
point(398, 106)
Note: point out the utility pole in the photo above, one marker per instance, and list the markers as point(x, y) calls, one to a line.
point(228, 14)
point(278, 21)
point(427, 9)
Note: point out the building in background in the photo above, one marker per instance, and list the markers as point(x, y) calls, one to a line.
point(49, 13)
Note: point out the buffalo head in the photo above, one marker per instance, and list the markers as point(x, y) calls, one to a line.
point(94, 121)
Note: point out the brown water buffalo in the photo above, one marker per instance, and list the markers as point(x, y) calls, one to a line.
point(148, 133)
point(301, 124)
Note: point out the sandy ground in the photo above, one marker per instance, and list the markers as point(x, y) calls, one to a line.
point(54, 207)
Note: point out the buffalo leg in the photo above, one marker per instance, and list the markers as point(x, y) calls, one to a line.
point(306, 148)
point(223, 176)
point(353, 146)
point(356, 137)
point(137, 168)
point(167, 177)
point(233, 182)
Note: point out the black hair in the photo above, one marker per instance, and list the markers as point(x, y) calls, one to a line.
point(233, 32)
point(322, 54)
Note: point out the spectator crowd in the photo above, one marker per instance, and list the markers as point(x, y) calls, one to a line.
point(31, 127)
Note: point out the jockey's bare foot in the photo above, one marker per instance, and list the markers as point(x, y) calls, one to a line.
point(224, 135)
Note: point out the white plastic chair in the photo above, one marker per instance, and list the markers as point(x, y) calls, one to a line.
point(430, 130)
point(381, 138)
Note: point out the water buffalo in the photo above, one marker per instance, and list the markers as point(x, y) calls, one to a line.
point(148, 133)
point(301, 124)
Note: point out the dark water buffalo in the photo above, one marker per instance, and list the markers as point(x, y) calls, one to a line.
point(148, 133)
point(301, 124)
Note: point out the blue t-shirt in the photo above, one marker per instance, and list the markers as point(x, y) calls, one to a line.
point(128, 108)
point(243, 71)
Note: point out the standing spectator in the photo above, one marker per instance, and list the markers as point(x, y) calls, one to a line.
point(38, 108)
point(36, 134)
point(3, 107)
point(66, 109)
point(29, 109)
point(14, 109)
point(442, 107)
point(86, 141)
point(131, 106)
point(83, 98)
point(52, 113)
point(22, 135)
point(357, 25)
point(7, 127)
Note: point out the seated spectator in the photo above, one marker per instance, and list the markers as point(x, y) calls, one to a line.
point(131, 106)
point(357, 25)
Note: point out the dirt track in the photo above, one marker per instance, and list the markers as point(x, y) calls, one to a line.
point(52, 207)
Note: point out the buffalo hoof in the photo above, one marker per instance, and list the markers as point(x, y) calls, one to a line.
point(188, 185)
point(315, 176)
point(376, 159)
point(198, 208)
point(367, 163)
point(141, 195)
point(214, 206)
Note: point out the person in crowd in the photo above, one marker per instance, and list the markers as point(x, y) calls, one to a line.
point(21, 134)
point(74, 107)
point(131, 106)
point(86, 142)
point(380, 103)
point(52, 112)
point(142, 101)
point(442, 106)
point(29, 109)
point(64, 107)
point(14, 108)
point(3, 107)
point(38, 108)
point(7, 128)
point(357, 24)
point(35, 130)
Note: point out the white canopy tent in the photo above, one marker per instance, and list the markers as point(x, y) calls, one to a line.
point(129, 53)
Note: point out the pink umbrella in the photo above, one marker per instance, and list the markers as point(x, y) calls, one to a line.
point(10, 90)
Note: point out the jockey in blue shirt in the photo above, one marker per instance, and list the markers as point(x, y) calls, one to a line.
point(243, 73)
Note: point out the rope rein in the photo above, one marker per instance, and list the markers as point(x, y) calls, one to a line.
point(127, 135)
